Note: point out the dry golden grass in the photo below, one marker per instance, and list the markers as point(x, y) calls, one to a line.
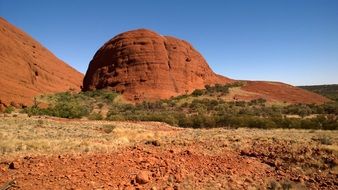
point(23, 135)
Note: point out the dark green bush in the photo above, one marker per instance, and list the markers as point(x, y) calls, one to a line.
point(34, 110)
point(203, 121)
point(259, 101)
point(95, 116)
point(116, 117)
point(184, 121)
point(69, 110)
point(217, 88)
point(331, 108)
point(198, 92)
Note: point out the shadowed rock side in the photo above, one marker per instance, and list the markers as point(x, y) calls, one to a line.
point(144, 65)
point(28, 69)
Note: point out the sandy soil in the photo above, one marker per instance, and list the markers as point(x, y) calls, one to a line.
point(47, 153)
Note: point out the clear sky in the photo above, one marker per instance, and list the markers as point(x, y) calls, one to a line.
point(294, 41)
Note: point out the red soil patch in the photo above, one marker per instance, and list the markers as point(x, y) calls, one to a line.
point(184, 159)
point(160, 168)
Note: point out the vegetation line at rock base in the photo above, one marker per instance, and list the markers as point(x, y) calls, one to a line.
point(202, 109)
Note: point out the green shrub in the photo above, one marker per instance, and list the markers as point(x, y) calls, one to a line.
point(69, 110)
point(331, 108)
point(240, 103)
point(217, 88)
point(196, 121)
point(184, 121)
point(33, 110)
point(259, 101)
point(95, 116)
point(298, 109)
point(198, 92)
point(110, 96)
point(115, 117)
point(9, 109)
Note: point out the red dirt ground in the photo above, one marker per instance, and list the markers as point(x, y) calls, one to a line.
point(180, 159)
point(165, 168)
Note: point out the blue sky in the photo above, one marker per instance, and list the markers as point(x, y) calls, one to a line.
point(294, 41)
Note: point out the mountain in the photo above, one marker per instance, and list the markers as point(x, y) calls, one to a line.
point(328, 90)
point(144, 65)
point(28, 69)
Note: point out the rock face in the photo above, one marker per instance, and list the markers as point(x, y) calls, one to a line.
point(27, 69)
point(144, 65)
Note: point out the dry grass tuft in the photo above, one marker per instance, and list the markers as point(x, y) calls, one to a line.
point(22, 136)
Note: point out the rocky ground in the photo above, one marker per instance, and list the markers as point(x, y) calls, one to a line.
point(50, 153)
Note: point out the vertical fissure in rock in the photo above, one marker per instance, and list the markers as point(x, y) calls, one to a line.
point(168, 54)
point(169, 66)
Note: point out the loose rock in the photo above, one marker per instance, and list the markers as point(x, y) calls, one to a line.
point(143, 177)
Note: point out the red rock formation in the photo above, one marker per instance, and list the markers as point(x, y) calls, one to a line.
point(274, 92)
point(281, 92)
point(142, 64)
point(28, 69)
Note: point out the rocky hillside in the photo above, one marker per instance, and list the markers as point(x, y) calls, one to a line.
point(329, 90)
point(277, 92)
point(28, 69)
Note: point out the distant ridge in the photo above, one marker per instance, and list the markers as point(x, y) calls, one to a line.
point(327, 90)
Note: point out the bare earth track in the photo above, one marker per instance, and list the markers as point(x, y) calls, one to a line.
point(48, 153)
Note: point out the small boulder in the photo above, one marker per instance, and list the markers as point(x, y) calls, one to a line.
point(154, 142)
point(13, 165)
point(143, 177)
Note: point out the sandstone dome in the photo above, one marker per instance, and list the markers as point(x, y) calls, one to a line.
point(143, 65)
point(27, 69)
